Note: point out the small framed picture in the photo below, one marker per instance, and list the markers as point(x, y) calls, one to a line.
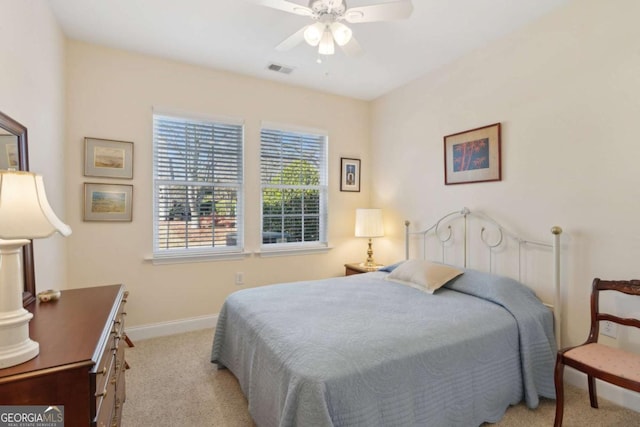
point(108, 158)
point(473, 156)
point(349, 174)
point(107, 202)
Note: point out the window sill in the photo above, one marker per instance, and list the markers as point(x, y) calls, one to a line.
point(195, 257)
point(292, 250)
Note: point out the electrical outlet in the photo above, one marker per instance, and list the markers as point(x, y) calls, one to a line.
point(239, 278)
point(609, 329)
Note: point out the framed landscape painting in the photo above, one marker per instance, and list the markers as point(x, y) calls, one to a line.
point(108, 158)
point(107, 202)
point(473, 156)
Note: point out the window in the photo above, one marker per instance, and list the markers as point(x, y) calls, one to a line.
point(293, 168)
point(198, 184)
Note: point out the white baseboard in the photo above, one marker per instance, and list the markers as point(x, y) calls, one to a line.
point(173, 327)
point(614, 394)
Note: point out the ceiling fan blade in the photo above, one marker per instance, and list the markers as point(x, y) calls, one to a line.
point(293, 40)
point(286, 6)
point(352, 48)
point(379, 12)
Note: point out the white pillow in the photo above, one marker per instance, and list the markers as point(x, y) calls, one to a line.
point(423, 275)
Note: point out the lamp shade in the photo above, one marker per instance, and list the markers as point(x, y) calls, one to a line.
point(326, 43)
point(341, 33)
point(313, 33)
point(369, 223)
point(24, 210)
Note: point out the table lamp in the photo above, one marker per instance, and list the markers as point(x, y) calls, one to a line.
point(25, 214)
point(369, 224)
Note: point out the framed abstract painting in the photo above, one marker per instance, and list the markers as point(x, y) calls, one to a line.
point(473, 156)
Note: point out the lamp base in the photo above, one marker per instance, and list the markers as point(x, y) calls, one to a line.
point(16, 345)
point(370, 263)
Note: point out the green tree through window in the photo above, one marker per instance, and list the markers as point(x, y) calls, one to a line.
point(293, 169)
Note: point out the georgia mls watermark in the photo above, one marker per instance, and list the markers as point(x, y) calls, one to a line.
point(31, 416)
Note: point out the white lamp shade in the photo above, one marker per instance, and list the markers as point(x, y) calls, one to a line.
point(25, 212)
point(369, 223)
point(326, 43)
point(341, 33)
point(313, 33)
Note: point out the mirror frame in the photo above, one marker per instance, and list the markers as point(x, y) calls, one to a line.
point(15, 128)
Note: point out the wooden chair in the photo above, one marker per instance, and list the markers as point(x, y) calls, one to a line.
point(612, 365)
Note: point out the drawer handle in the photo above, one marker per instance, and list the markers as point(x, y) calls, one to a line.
point(104, 371)
point(103, 394)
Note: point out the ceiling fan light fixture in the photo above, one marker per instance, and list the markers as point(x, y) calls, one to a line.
point(329, 18)
point(326, 46)
point(314, 33)
point(341, 33)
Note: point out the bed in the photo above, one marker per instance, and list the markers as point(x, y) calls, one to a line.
point(365, 350)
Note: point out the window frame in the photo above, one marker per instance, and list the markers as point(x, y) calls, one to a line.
point(197, 254)
point(297, 248)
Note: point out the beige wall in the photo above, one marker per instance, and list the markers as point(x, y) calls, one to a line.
point(567, 92)
point(111, 94)
point(32, 88)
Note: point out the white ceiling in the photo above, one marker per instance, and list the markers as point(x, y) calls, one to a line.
point(240, 36)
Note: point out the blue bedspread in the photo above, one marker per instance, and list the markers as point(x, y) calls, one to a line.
point(363, 351)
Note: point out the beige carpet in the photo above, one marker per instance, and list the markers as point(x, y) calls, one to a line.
point(172, 383)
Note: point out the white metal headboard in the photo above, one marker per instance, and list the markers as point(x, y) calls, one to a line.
point(442, 230)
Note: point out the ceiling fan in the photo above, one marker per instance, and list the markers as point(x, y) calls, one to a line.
point(328, 27)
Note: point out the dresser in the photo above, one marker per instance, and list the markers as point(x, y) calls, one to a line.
point(81, 362)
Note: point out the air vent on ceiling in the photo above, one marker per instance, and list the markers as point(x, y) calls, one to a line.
point(280, 68)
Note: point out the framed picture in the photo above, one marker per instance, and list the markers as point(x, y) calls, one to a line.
point(349, 174)
point(108, 158)
point(473, 156)
point(107, 202)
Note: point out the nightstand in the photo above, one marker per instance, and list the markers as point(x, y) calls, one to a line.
point(357, 268)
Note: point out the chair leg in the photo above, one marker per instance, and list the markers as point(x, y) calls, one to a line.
point(593, 394)
point(559, 381)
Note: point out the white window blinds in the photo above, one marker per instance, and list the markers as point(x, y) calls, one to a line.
point(198, 184)
point(294, 186)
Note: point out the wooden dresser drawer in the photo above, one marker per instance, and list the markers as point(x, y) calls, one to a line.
point(110, 390)
point(103, 369)
point(105, 396)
